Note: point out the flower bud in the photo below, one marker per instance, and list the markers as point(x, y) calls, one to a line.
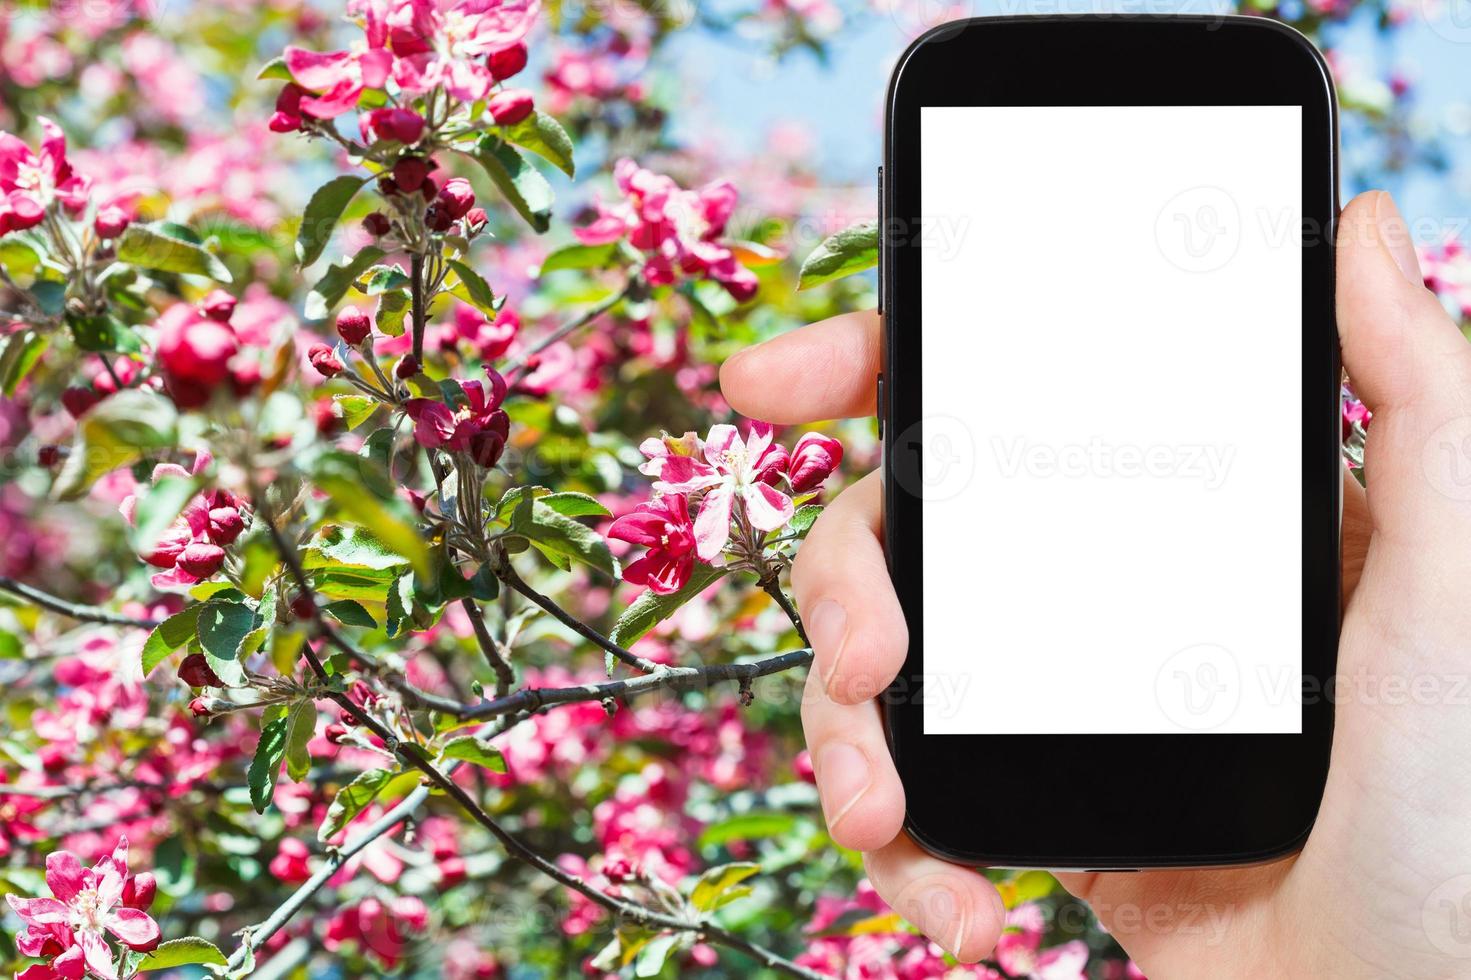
point(377, 224)
point(506, 62)
point(457, 197)
point(402, 125)
point(199, 707)
point(49, 455)
point(225, 525)
point(324, 360)
point(76, 400)
point(218, 305)
point(111, 221)
point(409, 173)
point(302, 607)
point(196, 672)
point(475, 219)
point(437, 218)
point(814, 458)
point(335, 732)
point(139, 891)
point(407, 368)
point(201, 559)
point(428, 189)
point(245, 375)
point(510, 106)
point(388, 187)
point(353, 325)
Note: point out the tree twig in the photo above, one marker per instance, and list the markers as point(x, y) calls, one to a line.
point(416, 291)
point(87, 614)
point(571, 326)
point(532, 699)
point(508, 575)
point(773, 588)
point(504, 675)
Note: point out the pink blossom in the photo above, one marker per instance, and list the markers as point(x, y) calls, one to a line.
point(338, 77)
point(29, 181)
point(192, 548)
point(732, 469)
point(663, 526)
point(490, 338)
point(87, 904)
point(447, 44)
point(476, 424)
point(677, 229)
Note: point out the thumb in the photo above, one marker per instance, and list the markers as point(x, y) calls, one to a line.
point(1410, 364)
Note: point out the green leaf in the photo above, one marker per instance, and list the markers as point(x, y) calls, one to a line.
point(544, 136)
point(274, 69)
point(337, 280)
point(356, 409)
point(552, 532)
point(340, 476)
point(301, 726)
point(336, 545)
point(350, 613)
point(157, 507)
point(19, 355)
point(850, 251)
point(189, 951)
point(169, 636)
point(520, 184)
point(748, 826)
point(351, 800)
point(322, 213)
point(653, 954)
point(477, 290)
point(223, 627)
point(115, 433)
point(470, 749)
point(265, 767)
point(162, 249)
point(803, 519)
point(717, 881)
point(393, 308)
point(568, 503)
point(579, 257)
point(650, 609)
point(382, 278)
point(102, 332)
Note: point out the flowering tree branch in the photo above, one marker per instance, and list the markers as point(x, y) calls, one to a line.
point(86, 614)
point(410, 754)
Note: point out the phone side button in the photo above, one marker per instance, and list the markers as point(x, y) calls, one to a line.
point(878, 403)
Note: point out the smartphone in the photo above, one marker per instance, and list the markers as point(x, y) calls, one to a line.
point(1111, 422)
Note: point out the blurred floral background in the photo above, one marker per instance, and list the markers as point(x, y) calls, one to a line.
point(694, 801)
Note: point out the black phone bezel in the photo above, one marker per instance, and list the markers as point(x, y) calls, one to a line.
point(1113, 801)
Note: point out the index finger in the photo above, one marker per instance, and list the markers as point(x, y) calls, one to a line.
point(823, 371)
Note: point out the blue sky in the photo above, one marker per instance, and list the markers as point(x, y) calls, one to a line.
point(740, 93)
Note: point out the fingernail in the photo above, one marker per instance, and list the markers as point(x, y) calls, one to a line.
point(1395, 235)
point(827, 627)
point(843, 777)
point(941, 918)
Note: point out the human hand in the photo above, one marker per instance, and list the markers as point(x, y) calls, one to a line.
point(1364, 895)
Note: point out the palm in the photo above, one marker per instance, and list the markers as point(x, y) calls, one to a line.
point(1375, 890)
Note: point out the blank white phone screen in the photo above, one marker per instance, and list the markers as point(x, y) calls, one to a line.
point(1112, 397)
